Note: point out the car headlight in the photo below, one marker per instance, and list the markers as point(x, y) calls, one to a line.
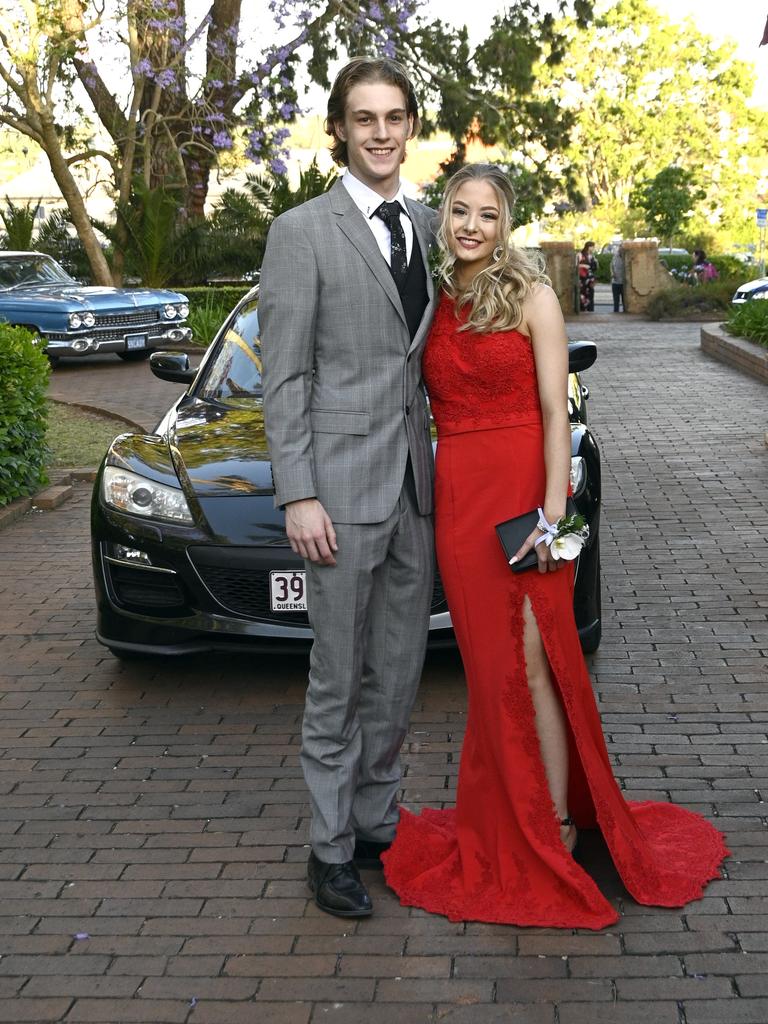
point(75, 321)
point(130, 492)
point(88, 319)
point(183, 310)
point(578, 474)
point(169, 311)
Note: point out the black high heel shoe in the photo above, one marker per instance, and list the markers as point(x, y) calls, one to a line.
point(570, 824)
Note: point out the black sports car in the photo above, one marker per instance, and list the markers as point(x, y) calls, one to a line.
point(189, 553)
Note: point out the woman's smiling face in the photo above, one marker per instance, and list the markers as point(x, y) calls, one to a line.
point(474, 226)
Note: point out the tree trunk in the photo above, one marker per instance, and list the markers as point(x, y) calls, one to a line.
point(198, 167)
point(74, 200)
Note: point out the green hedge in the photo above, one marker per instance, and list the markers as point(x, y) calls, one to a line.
point(24, 372)
point(227, 295)
point(208, 308)
point(604, 267)
point(750, 320)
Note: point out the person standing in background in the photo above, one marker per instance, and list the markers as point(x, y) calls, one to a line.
point(587, 275)
point(617, 279)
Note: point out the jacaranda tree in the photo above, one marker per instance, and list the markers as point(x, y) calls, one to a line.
point(161, 90)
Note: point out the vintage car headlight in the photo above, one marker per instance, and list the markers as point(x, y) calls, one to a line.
point(75, 321)
point(169, 311)
point(88, 319)
point(183, 309)
point(578, 474)
point(140, 496)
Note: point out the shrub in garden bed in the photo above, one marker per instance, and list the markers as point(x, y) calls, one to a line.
point(750, 321)
point(692, 302)
point(208, 307)
point(24, 372)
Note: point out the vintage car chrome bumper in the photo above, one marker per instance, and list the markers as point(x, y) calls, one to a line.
point(89, 342)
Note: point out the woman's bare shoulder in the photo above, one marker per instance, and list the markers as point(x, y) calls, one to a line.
point(540, 308)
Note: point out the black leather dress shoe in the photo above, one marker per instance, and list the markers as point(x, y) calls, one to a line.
point(338, 888)
point(368, 853)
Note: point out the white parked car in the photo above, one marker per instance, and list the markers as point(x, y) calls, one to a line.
point(757, 289)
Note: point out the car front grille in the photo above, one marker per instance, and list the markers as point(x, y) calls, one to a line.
point(244, 589)
point(246, 592)
point(103, 334)
point(143, 589)
point(142, 317)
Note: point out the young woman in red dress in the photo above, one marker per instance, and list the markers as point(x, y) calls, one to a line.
point(534, 766)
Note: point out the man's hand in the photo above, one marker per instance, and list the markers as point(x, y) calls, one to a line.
point(311, 531)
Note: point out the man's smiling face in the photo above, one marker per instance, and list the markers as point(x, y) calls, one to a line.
point(376, 128)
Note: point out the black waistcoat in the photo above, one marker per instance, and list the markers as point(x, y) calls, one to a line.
point(414, 294)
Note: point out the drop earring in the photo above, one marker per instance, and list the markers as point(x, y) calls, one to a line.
point(498, 252)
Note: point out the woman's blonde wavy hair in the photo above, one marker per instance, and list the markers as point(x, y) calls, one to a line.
point(496, 295)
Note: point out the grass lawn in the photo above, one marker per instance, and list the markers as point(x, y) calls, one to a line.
point(78, 438)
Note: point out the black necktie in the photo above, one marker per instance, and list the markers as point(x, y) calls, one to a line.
point(390, 214)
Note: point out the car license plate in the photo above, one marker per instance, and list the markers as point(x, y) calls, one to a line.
point(135, 341)
point(288, 591)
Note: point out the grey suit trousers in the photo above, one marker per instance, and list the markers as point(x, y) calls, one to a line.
point(370, 615)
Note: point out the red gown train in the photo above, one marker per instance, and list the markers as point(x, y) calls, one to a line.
point(498, 856)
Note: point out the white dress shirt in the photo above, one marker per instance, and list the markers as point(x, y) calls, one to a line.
point(368, 201)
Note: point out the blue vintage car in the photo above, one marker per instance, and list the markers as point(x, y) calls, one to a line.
point(73, 319)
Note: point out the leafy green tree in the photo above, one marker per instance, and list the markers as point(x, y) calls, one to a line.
point(141, 86)
point(667, 200)
point(642, 91)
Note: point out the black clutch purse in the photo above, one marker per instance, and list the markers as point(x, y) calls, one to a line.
point(513, 532)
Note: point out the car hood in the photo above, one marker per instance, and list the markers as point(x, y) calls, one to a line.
point(221, 450)
point(73, 297)
point(751, 286)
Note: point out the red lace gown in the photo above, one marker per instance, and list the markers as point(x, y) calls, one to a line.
point(498, 856)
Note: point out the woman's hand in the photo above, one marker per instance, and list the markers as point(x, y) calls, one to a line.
point(547, 563)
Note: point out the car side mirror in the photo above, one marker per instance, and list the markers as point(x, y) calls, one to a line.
point(172, 366)
point(581, 355)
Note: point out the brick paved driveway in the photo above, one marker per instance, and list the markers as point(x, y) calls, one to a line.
point(153, 815)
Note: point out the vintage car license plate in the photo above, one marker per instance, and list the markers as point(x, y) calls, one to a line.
point(135, 341)
point(288, 591)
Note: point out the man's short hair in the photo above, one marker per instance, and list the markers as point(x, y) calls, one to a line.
point(366, 69)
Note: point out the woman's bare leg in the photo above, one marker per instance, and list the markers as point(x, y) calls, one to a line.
point(550, 720)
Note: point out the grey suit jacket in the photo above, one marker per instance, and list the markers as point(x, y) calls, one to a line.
point(343, 405)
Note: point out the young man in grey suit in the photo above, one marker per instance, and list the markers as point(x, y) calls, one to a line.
point(346, 301)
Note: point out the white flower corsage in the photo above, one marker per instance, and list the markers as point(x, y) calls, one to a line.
point(566, 537)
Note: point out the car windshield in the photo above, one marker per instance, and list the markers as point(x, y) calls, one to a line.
point(17, 271)
point(233, 375)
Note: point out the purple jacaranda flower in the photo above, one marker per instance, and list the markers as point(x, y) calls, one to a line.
point(165, 78)
point(278, 166)
point(221, 140)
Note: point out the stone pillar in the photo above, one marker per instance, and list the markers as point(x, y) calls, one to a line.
point(643, 274)
point(561, 269)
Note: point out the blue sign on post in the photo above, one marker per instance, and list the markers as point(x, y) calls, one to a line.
point(762, 217)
